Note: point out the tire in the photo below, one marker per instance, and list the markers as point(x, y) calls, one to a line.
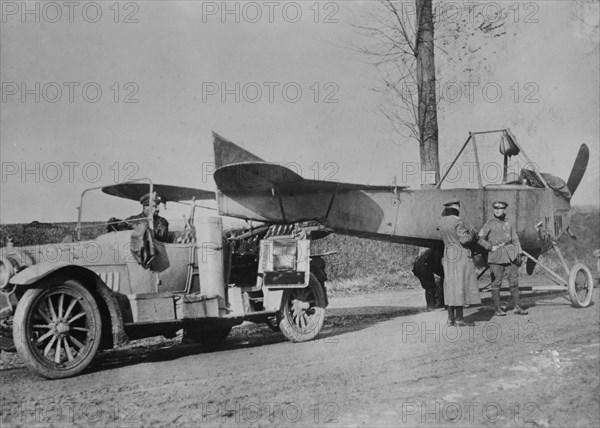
point(57, 330)
point(581, 286)
point(206, 334)
point(303, 311)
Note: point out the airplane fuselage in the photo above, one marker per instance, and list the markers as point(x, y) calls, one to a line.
point(407, 216)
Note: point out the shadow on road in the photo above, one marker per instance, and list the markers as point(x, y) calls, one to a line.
point(338, 321)
point(528, 300)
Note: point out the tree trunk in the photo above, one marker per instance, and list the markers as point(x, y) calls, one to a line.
point(428, 127)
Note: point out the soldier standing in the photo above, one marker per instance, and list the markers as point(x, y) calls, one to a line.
point(460, 282)
point(500, 238)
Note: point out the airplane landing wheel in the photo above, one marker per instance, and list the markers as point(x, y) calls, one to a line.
point(581, 286)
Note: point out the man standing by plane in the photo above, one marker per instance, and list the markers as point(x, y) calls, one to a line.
point(500, 238)
point(460, 282)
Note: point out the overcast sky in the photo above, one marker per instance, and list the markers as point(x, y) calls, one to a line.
point(90, 103)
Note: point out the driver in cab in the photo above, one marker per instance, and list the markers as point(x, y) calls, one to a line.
point(161, 225)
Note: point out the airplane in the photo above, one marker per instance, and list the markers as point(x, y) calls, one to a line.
point(251, 188)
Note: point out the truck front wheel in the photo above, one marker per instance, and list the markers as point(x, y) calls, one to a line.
point(303, 311)
point(57, 329)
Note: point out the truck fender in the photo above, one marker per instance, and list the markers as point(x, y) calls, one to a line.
point(34, 273)
point(109, 307)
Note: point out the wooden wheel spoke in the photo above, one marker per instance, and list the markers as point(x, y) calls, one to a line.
point(70, 308)
point(51, 307)
point(48, 347)
point(76, 317)
point(57, 351)
point(44, 337)
point(68, 349)
point(42, 326)
point(77, 343)
point(61, 301)
point(44, 315)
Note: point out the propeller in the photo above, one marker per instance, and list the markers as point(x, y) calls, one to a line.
point(581, 161)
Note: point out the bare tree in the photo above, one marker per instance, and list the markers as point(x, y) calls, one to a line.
point(427, 106)
point(402, 37)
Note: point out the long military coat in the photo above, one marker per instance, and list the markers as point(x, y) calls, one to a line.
point(460, 281)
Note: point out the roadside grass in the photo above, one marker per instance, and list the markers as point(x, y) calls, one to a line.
point(360, 265)
point(36, 233)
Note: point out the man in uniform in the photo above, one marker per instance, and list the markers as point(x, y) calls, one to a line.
point(428, 263)
point(460, 282)
point(500, 238)
point(161, 225)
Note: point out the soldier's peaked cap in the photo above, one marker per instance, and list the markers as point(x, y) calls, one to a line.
point(500, 204)
point(452, 201)
point(145, 199)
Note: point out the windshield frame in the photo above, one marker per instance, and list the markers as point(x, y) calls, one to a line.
point(79, 227)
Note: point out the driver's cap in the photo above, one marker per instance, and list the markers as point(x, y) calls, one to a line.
point(145, 199)
point(451, 202)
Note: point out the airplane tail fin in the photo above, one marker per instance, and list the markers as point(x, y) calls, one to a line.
point(227, 153)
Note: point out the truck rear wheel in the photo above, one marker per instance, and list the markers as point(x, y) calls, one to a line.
point(303, 311)
point(57, 330)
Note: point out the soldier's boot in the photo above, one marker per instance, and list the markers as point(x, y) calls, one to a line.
point(514, 292)
point(430, 299)
point(439, 294)
point(496, 298)
point(459, 318)
point(451, 317)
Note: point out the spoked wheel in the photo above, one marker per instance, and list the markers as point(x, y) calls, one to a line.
point(59, 329)
point(581, 286)
point(303, 311)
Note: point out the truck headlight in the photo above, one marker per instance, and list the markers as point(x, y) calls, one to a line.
point(284, 256)
point(279, 256)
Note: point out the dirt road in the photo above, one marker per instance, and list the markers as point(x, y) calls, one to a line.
point(381, 360)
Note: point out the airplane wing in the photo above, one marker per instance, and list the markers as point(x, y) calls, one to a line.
point(239, 170)
point(263, 176)
point(251, 188)
point(167, 192)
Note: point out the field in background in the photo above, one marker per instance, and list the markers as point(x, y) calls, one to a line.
point(360, 265)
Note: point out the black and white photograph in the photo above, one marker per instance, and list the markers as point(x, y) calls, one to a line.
point(309, 213)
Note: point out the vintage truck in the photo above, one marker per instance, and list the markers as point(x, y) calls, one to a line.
point(65, 301)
